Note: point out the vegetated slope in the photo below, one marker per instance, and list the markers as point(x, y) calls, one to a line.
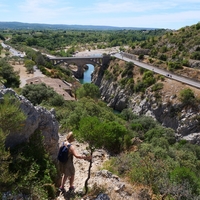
point(175, 50)
point(134, 80)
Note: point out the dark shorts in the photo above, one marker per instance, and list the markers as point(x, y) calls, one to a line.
point(67, 168)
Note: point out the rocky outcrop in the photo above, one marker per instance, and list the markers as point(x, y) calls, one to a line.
point(184, 120)
point(114, 95)
point(38, 118)
point(194, 64)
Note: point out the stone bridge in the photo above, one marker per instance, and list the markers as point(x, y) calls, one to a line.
point(80, 62)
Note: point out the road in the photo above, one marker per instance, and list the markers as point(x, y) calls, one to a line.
point(13, 51)
point(157, 70)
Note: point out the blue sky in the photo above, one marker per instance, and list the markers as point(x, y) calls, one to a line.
point(172, 14)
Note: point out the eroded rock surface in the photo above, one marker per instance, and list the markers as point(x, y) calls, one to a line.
point(38, 118)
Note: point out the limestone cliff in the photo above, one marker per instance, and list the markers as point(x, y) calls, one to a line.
point(37, 118)
point(162, 107)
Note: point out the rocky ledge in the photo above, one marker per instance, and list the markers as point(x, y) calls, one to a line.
point(185, 120)
point(37, 118)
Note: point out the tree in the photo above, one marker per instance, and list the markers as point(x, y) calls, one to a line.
point(29, 66)
point(41, 93)
point(174, 66)
point(141, 57)
point(187, 96)
point(2, 37)
point(8, 74)
point(11, 119)
point(88, 90)
point(1, 49)
point(6, 178)
point(89, 132)
point(39, 59)
point(184, 175)
point(98, 134)
point(148, 78)
point(11, 116)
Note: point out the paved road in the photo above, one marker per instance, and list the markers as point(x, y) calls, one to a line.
point(168, 74)
point(13, 51)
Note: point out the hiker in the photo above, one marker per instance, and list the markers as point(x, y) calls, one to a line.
point(67, 169)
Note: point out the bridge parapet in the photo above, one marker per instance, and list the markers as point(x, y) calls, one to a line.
point(88, 60)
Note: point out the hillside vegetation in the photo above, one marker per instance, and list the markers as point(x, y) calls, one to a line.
point(174, 51)
point(142, 151)
point(67, 42)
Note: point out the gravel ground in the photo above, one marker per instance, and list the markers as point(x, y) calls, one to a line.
point(24, 75)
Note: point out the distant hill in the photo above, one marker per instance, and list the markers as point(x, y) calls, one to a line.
point(20, 25)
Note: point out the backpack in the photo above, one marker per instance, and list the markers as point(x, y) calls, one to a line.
point(63, 153)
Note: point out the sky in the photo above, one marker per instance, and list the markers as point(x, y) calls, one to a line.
point(170, 14)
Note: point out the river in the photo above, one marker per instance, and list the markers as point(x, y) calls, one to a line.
point(87, 79)
point(87, 74)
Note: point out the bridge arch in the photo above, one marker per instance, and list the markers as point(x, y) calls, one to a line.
point(80, 62)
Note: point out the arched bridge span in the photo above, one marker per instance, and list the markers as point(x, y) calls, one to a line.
point(81, 61)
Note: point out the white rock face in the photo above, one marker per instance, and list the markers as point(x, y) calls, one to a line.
point(183, 120)
point(38, 118)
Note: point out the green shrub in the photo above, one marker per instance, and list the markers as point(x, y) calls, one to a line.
point(128, 71)
point(139, 87)
point(141, 57)
point(128, 115)
point(148, 78)
point(185, 63)
point(88, 90)
point(157, 86)
point(108, 75)
point(197, 26)
point(181, 175)
point(40, 93)
point(174, 66)
point(195, 56)
point(187, 96)
point(7, 72)
point(33, 167)
point(159, 132)
point(163, 57)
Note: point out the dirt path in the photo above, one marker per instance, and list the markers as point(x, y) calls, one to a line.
point(81, 166)
point(116, 188)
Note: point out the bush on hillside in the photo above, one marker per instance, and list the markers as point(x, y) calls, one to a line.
point(187, 97)
point(40, 93)
point(11, 78)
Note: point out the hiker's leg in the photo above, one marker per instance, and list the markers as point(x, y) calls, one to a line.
point(71, 181)
point(63, 180)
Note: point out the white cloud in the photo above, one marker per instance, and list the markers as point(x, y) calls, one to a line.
point(173, 21)
point(124, 7)
point(139, 7)
point(42, 10)
point(140, 13)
